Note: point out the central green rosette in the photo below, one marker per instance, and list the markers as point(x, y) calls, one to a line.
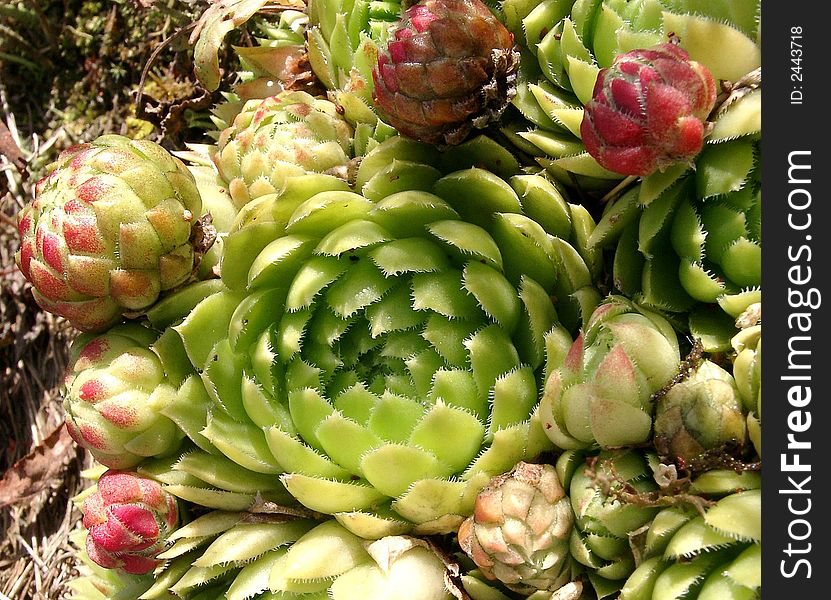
point(392, 352)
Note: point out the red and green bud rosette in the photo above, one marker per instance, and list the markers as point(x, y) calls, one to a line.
point(449, 66)
point(109, 229)
point(648, 110)
point(129, 518)
point(114, 392)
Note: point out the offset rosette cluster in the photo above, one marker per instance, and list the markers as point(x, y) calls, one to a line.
point(706, 554)
point(239, 555)
point(109, 230)
point(520, 530)
point(278, 137)
point(648, 110)
point(603, 523)
point(702, 412)
point(449, 66)
point(388, 353)
point(128, 519)
point(567, 44)
point(114, 391)
point(689, 240)
point(602, 393)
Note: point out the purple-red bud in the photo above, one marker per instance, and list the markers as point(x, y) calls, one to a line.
point(128, 518)
point(648, 110)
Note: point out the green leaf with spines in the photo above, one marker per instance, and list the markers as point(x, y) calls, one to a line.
point(641, 582)
point(539, 20)
point(543, 202)
point(245, 444)
point(320, 58)
point(451, 434)
point(278, 261)
point(399, 176)
point(742, 262)
point(392, 468)
point(506, 449)
point(212, 498)
point(406, 214)
point(605, 46)
point(695, 538)
point(526, 249)
point(714, 328)
point(294, 456)
point(553, 144)
point(357, 288)
point(657, 218)
point(742, 14)
point(345, 441)
point(253, 316)
point(398, 147)
point(225, 474)
point(330, 497)
point(680, 580)
point(628, 262)
point(741, 118)
point(477, 194)
point(314, 276)
point(430, 499)
point(746, 568)
point(701, 282)
point(325, 211)
point(252, 579)
point(738, 515)
point(247, 541)
point(661, 285)
point(353, 236)
point(221, 375)
point(727, 52)
point(480, 151)
point(189, 411)
point(206, 324)
point(495, 294)
point(513, 398)
point(467, 241)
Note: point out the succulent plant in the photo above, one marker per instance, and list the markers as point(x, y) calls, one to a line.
point(361, 336)
point(398, 331)
point(281, 136)
point(520, 529)
point(702, 412)
point(108, 230)
point(688, 242)
point(128, 519)
point(114, 392)
point(566, 43)
point(602, 395)
point(448, 66)
point(647, 111)
point(600, 538)
point(706, 556)
point(95, 582)
point(241, 555)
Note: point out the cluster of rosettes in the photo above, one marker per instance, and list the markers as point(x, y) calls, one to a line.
point(407, 334)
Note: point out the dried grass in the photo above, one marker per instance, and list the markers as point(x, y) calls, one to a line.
point(36, 560)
